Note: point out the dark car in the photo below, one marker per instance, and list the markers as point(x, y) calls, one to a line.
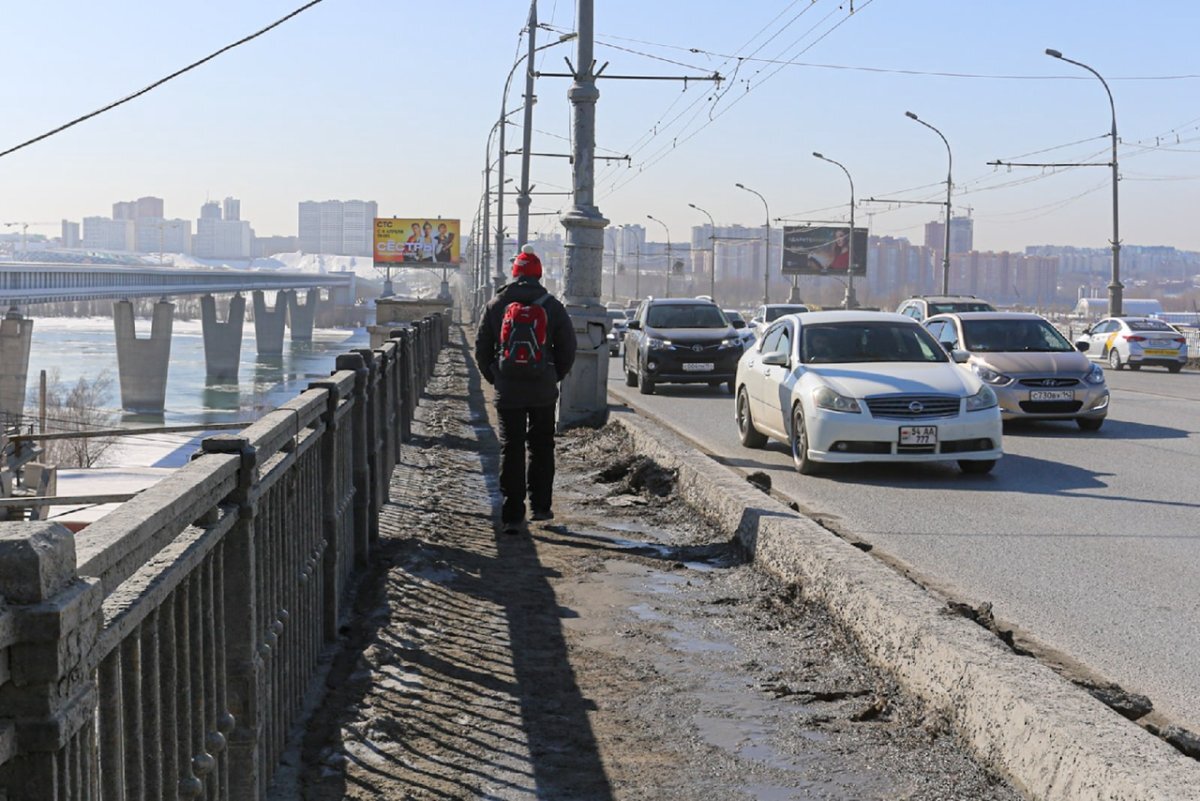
point(681, 341)
point(616, 333)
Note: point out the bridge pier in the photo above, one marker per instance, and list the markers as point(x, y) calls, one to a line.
point(301, 317)
point(222, 341)
point(268, 323)
point(16, 333)
point(142, 363)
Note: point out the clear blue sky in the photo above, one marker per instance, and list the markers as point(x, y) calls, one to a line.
point(392, 101)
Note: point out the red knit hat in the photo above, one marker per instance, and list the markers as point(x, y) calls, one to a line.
point(527, 264)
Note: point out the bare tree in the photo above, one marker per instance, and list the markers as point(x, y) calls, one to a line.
point(79, 408)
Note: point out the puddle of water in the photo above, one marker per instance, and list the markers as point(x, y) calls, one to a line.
point(746, 738)
point(632, 528)
point(696, 645)
point(646, 612)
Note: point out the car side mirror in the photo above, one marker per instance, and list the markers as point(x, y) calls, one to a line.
point(1083, 346)
point(634, 325)
point(776, 359)
point(738, 323)
point(960, 356)
point(755, 320)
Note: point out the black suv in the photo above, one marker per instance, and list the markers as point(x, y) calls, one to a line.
point(681, 341)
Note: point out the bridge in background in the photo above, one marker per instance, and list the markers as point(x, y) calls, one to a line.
point(142, 362)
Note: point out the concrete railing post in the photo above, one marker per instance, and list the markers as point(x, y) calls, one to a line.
point(330, 522)
point(375, 444)
point(362, 469)
point(403, 403)
point(48, 698)
point(244, 650)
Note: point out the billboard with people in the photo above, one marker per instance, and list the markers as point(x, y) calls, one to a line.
point(420, 241)
point(823, 250)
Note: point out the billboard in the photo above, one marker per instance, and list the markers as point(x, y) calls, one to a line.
point(419, 241)
point(823, 250)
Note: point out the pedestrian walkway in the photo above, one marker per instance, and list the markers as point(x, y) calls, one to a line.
point(620, 651)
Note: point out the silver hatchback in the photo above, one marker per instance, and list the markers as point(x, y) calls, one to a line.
point(1036, 373)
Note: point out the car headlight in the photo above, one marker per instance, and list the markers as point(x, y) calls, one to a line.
point(826, 398)
point(990, 376)
point(1095, 376)
point(656, 343)
point(985, 398)
point(732, 342)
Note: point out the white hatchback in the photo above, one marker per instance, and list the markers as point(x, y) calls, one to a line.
point(850, 386)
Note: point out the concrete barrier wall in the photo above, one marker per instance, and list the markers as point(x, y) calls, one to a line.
point(166, 650)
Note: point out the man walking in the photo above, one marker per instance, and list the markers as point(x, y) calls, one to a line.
point(525, 346)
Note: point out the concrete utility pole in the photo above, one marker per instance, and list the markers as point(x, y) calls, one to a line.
point(527, 132)
point(949, 187)
point(584, 397)
point(1115, 287)
point(767, 253)
point(850, 301)
point(667, 289)
point(712, 252)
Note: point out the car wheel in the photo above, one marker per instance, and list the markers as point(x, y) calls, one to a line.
point(1089, 423)
point(645, 384)
point(1114, 359)
point(1134, 366)
point(1174, 368)
point(750, 436)
point(630, 378)
point(976, 467)
point(799, 436)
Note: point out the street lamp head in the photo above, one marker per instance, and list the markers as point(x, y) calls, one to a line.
point(691, 205)
point(566, 37)
point(910, 115)
point(739, 186)
point(1054, 53)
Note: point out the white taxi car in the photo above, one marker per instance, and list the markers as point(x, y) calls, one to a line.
point(850, 386)
point(1135, 341)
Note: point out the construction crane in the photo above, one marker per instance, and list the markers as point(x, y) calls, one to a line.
point(25, 227)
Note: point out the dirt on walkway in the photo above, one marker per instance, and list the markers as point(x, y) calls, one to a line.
point(623, 650)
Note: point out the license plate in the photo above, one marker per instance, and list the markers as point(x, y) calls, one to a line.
point(698, 367)
point(918, 435)
point(1052, 395)
point(1160, 352)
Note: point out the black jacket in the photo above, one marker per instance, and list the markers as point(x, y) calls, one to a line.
point(560, 341)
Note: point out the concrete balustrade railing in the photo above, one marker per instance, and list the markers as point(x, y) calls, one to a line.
point(165, 651)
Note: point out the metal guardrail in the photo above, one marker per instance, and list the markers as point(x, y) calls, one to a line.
point(165, 650)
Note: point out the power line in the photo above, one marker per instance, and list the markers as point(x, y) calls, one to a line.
point(161, 81)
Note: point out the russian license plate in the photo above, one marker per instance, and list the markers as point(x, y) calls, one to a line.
point(1161, 352)
point(698, 367)
point(1052, 395)
point(918, 435)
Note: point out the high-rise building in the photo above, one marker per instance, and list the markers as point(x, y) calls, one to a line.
point(138, 209)
point(233, 208)
point(343, 228)
point(218, 238)
point(101, 233)
point(70, 234)
point(211, 210)
point(156, 235)
point(962, 236)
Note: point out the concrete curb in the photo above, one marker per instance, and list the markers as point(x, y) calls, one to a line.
point(1051, 739)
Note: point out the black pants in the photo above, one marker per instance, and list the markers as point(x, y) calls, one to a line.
point(531, 426)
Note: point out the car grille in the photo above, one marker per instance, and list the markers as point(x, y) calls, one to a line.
point(914, 407)
point(1050, 407)
point(1050, 382)
point(691, 347)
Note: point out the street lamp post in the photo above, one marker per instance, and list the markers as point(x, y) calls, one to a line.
point(667, 291)
point(850, 301)
point(1115, 287)
point(767, 252)
point(712, 252)
point(949, 186)
point(613, 295)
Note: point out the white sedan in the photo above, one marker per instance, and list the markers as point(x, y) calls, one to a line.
point(845, 386)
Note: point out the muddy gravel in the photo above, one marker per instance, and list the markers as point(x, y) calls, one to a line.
point(624, 650)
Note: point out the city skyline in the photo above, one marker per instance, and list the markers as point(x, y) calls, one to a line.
point(274, 129)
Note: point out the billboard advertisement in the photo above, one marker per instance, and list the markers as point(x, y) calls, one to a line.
point(823, 250)
point(419, 241)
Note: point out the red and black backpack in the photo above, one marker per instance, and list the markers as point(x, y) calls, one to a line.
point(523, 339)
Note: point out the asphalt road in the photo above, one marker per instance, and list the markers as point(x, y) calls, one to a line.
point(1090, 542)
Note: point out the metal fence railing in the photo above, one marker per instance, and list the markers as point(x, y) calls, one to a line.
point(166, 650)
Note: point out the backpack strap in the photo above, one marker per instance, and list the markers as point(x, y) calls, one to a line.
point(542, 300)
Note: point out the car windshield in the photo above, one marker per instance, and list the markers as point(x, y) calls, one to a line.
point(1148, 325)
point(1013, 336)
point(775, 312)
point(690, 315)
point(839, 343)
point(616, 315)
point(733, 316)
point(951, 307)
